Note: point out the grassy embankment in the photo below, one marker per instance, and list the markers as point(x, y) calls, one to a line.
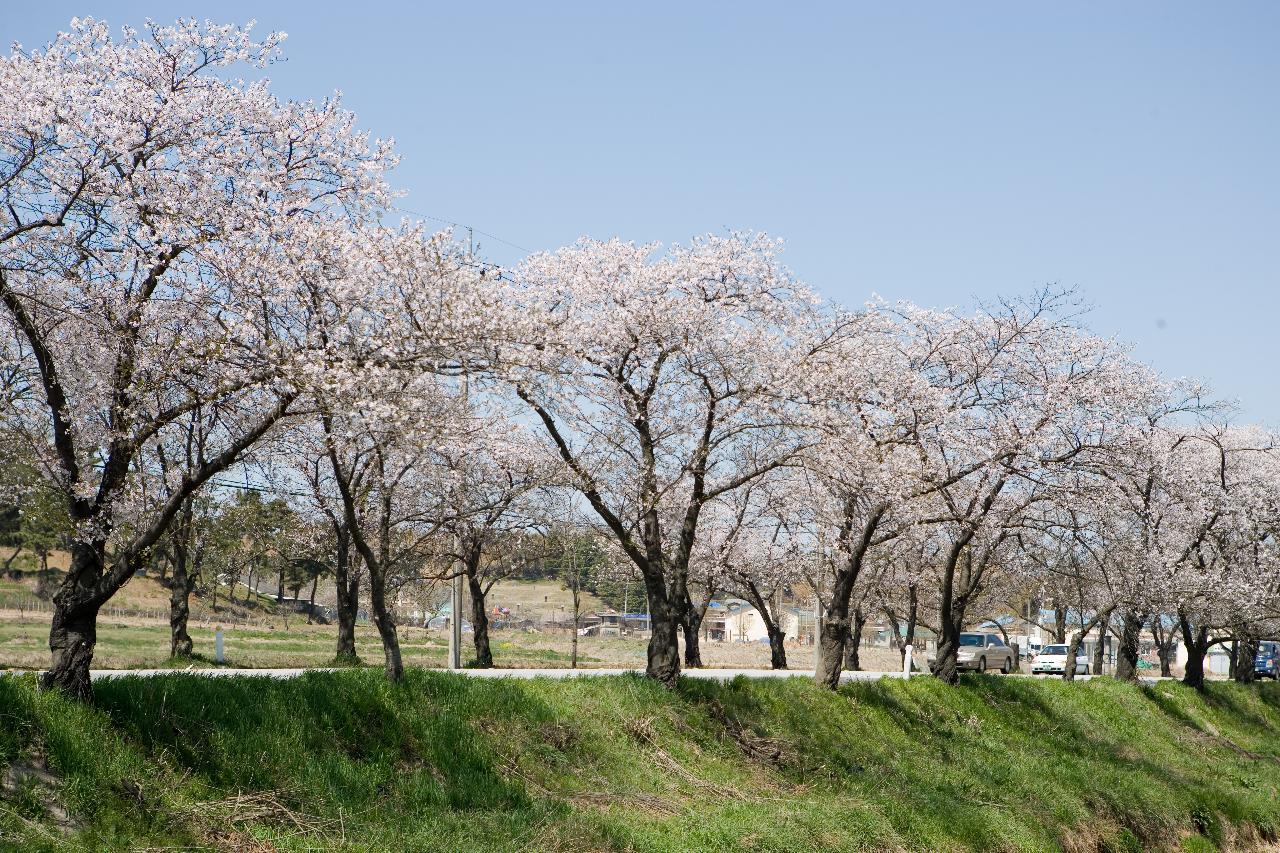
point(441, 762)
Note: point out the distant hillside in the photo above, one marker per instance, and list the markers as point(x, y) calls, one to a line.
point(143, 595)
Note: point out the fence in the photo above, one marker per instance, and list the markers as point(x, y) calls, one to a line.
point(25, 604)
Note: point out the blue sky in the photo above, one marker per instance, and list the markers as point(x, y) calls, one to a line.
point(935, 152)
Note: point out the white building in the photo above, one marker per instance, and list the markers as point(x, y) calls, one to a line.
point(745, 625)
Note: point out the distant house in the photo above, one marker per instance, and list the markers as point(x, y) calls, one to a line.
point(611, 623)
point(745, 625)
point(716, 620)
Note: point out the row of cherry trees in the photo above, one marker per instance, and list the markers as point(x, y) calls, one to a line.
point(196, 276)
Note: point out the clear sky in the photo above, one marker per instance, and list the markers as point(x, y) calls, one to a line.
point(932, 152)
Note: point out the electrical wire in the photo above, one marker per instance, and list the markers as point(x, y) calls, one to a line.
point(461, 225)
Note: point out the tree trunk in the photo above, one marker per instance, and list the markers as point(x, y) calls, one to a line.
point(479, 617)
point(692, 627)
point(179, 610)
point(1073, 648)
point(833, 636)
point(946, 662)
point(1197, 643)
point(913, 612)
point(311, 602)
point(183, 582)
point(663, 662)
point(180, 586)
point(1059, 624)
point(834, 630)
point(1166, 661)
point(777, 637)
point(74, 630)
point(951, 612)
point(852, 659)
point(1127, 654)
point(348, 599)
point(280, 585)
point(1103, 620)
point(1193, 675)
point(1245, 672)
point(1166, 644)
point(385, 624)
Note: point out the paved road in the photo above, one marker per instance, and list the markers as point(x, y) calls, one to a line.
point(708, 674)
point(294, 672)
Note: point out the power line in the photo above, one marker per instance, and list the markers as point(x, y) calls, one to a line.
point(461, 225)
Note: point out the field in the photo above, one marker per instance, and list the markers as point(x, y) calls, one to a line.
point(135, 643)
point(133, 633)
point(345, 761)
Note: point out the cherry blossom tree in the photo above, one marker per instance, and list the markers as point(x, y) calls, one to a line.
point(1005, 402)
point(300, 463)
point(492, 499)
point(657, 378)
point(749, 547)
point(156, 222)
point(900, 594)
point(173, 455)
point(379, 448)
point(1220, 559)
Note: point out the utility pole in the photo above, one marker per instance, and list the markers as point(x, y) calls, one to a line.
point(455, 588)
point(455, 617)
point(817, 630)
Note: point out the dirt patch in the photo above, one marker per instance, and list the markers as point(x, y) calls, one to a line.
point(222, 821)
point(759, 749)
point(32, 781)
point(641, 730)
point(558, 735)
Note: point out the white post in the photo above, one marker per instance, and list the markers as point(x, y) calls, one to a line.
point(217, 646)
point(906, 662)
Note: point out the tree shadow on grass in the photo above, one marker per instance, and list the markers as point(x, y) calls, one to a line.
point(958, 761)
point(992, 763)
point(328, 739)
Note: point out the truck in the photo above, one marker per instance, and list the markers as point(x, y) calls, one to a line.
point(1267, 662)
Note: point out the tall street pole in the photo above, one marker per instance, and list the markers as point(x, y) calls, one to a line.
point(455, 592)
point(455, 618)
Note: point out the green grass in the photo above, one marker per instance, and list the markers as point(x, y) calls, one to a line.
point(443, 762)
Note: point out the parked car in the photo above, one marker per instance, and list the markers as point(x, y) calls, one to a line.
point(982, 651)
point(1052, 660)
point(1267, 662)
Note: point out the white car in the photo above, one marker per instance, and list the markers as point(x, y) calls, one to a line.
point(1052, 660)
